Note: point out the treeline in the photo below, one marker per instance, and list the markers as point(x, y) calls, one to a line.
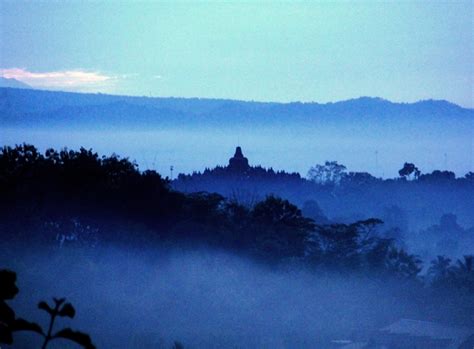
point(79, 198)
point(329, 174)
point(420, 199)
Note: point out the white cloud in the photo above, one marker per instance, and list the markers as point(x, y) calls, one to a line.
point(128, 76)
point(76, 80)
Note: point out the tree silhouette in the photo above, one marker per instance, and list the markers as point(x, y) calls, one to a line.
point(438, 176)
point(62, 309)
point(347, 246)
point(9, 323)
point(403, 264)
point(409, 169)
point(469, 177)
point(330, 173)
point(177, 345)
point(464, 273)
point(281, 229)
point(8, 291)
point(440, 268)
point(466, 265)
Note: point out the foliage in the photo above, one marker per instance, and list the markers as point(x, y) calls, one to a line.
point(287, 230)
point(9, 323)
point(78, 198)
point(86, 199)
point(438, 176)
point(330, 173)
point(459, 275)
point(177, 345)
point(409, 169)
point(8, 290)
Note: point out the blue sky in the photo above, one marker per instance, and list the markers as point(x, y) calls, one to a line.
point(315, 51)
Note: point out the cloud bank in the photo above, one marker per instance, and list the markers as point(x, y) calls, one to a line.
point(74, 80)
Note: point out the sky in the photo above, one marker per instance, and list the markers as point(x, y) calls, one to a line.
point(266, 51)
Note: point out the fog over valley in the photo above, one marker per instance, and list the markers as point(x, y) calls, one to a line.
point(366, 134)
point(206, 299)
point(236, 175)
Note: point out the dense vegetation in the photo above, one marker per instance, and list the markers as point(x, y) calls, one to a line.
point(78, 198)
point(431, 213)
point(10, 323)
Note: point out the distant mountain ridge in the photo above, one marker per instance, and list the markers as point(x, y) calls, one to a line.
point(36, 108)
point(13, 83)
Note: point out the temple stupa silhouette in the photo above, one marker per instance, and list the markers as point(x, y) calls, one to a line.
point(238, 163)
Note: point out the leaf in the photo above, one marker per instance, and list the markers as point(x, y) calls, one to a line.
point(23, 325)
point(177, 345)
point(67, 310)
point(5, 334)
point(76, 336)
point(44, 306)
point(59, 301)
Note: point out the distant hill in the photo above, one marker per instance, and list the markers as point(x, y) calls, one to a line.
point(13, 83)
point(36, 108)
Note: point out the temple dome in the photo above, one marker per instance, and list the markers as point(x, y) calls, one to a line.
point(238, 162)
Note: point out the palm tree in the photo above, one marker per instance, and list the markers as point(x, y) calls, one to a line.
point(440, 268)
point(464, 273)
point(465, 266)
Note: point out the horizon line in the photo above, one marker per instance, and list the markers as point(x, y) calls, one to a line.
point(240, 100)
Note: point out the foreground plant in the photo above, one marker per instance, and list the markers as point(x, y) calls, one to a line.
point(62, 309)
point(9, 323)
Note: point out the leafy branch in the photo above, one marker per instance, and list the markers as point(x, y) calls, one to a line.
point(10, 324)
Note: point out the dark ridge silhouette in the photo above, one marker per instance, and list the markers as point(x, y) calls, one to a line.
point(36, 108)
point(13, 83)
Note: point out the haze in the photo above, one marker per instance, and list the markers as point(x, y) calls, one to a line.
point(305, 51)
